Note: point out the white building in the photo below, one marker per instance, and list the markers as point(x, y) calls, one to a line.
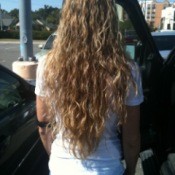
point(168, 18)
point(152, 10)
point(148, 8)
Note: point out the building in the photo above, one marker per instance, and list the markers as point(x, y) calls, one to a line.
point(158, 13)
point(148, 9)
point(5, 21)
point(40, 25)
point(168, 18)
point(152, 11)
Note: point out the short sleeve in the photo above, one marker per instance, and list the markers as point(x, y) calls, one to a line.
point(135, 97)
point(39, 90)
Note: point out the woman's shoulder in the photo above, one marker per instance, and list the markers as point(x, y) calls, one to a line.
point(40, 68)
point(41, 63)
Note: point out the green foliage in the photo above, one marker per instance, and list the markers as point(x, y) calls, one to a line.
point(41, 35)
point(14, 14)
point(3, 11)
point(9, 34)
point(125, 25)
point(54, 17)
point(49, 17)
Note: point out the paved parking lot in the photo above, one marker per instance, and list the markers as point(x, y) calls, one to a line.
point(10, 51)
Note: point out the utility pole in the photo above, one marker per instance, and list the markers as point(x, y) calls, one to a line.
point(26, 44)
point(1, 16)
point(26, 65)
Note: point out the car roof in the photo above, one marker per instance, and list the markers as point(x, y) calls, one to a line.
point(163, 33)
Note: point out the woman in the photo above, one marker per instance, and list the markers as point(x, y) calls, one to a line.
point(87, 91)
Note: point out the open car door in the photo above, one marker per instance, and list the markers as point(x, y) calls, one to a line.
point(158, 108)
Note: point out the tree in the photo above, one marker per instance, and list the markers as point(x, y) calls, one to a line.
point(3, 11)
point(54, 16)
point(125, 25)
point(48, 15)
point(14, 14)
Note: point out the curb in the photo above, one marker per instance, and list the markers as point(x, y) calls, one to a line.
point(18, 42)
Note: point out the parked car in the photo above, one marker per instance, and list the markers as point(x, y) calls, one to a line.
point(20, 147)
point(165, 41)
point(130, 36)
point(46, 47)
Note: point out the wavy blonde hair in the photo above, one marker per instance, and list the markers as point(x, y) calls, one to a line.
point(86, 73)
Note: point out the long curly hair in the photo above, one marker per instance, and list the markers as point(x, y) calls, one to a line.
point(86, 74)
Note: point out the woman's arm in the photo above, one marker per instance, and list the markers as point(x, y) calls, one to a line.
point(131, 138)
point(44, 133)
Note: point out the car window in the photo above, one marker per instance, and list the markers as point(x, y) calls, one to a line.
point(168, 42)
point(9, 91)
point(49, 42)
point(130, 37)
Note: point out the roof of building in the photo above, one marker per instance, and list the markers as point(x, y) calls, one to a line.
point(6, 19)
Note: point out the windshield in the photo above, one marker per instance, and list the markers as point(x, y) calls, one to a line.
point(165, 42)
point(49, 42)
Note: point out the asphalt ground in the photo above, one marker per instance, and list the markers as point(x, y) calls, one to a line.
point(10, 52)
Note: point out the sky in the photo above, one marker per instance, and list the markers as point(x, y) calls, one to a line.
point(35, 4)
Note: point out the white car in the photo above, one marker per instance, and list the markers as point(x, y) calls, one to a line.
point(165, 41)
point(46, 47)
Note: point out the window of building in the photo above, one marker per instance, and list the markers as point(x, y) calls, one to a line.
point(153, 6)
point(174, 26)
point(168, 26)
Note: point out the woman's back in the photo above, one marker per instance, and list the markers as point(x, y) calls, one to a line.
point(106, 159)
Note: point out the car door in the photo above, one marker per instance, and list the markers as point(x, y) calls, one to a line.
point(157, 110)
point(18, 131)
point(166, 127)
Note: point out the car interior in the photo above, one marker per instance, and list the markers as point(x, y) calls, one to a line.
point(9, 95)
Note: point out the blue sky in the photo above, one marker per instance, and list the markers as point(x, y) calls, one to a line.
point(36, 4)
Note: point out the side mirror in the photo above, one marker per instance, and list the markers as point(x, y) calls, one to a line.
point(40, 46)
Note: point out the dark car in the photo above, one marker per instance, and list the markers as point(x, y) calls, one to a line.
point(20, 147)
point(130, 36)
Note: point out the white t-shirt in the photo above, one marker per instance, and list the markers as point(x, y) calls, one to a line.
point(106, 160)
